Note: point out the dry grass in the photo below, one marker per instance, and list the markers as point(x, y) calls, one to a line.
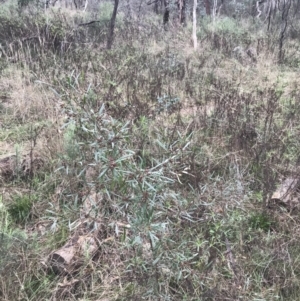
point(28, 99)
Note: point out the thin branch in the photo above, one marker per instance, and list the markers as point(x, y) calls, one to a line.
point(88, 23)
point(152, 2)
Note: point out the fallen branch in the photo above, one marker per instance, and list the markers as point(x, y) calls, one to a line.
point(286, 189)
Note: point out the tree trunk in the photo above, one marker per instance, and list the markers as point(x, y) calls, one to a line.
point(85, 5)
point(166, 12)
point(195, 24)
point(156, 6)
point(111, 29)
point(214, 10)
point(285, 14)
point(181, 7)
point(207, 7)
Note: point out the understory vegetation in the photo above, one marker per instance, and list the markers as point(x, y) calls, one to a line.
point(146, 172)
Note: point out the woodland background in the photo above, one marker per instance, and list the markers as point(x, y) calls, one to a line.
point(149, 150)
